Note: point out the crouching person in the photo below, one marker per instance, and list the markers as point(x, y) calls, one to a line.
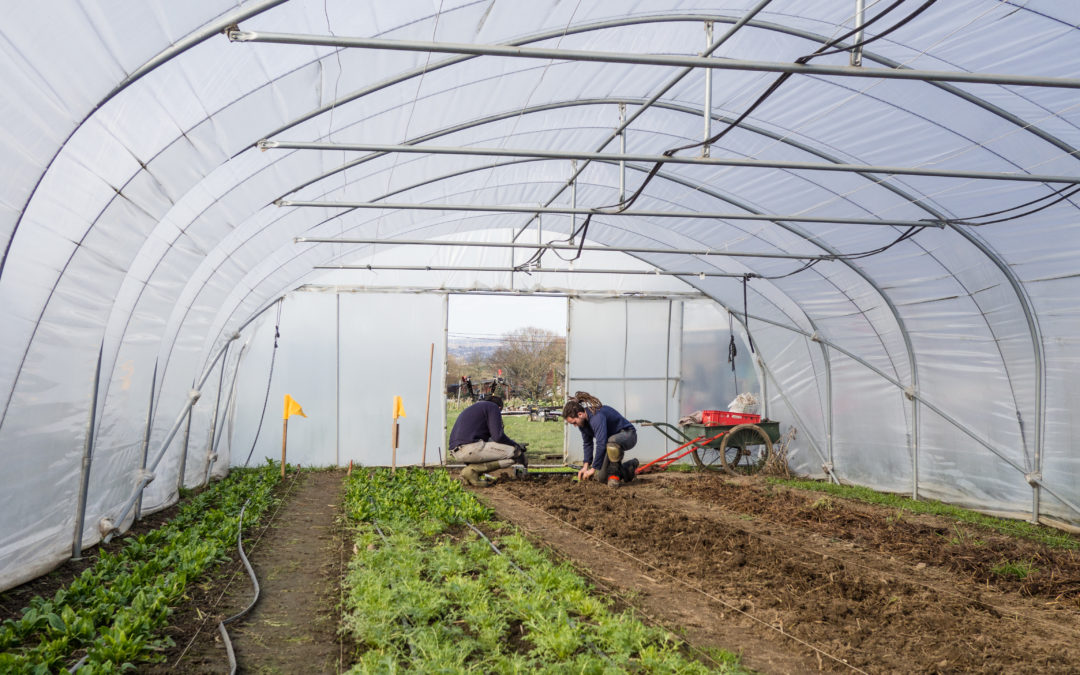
point(479, 442)
point(606, 436)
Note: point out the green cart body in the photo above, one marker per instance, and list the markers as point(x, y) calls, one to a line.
point(734, 448)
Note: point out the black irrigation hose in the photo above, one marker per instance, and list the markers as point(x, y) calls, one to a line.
point(254, 582)
point(269, 378)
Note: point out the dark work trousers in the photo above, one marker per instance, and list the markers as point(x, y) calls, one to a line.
point(617, 445)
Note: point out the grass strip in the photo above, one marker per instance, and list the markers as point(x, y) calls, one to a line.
point(112, 612)
point(424, 594)
point(1014, 528)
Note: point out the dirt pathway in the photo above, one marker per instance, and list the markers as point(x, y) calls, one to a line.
point(770, 572)
point(296, 551)
point(293, 628)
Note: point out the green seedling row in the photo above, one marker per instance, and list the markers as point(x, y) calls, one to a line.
point(113, 612)
point(426, 593)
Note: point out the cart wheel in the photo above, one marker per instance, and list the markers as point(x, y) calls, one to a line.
point(708, 458)
point(748, 459)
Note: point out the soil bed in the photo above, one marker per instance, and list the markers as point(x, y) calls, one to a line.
point(297, 555)
point(795, 582)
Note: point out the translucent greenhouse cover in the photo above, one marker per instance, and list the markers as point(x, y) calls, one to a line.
point(885, 209)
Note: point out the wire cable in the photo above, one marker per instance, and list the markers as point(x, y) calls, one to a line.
point(824, 49)
point(269, 378)
point(1062, 195)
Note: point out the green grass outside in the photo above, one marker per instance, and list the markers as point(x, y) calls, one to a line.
point(1015, 528)
point(543, 438)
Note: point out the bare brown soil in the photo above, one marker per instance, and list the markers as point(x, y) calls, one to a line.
point(792, 580)
point(798, 582)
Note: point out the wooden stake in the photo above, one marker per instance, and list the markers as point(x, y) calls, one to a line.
point(393, 442)
point(427, 406)
point(284, 436)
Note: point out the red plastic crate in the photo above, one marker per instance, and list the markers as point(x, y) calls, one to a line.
point(716, 418)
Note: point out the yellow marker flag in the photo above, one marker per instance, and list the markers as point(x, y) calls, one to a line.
point(292, 408)
point(399, 408)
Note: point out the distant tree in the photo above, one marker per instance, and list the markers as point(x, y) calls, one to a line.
point(532, 360)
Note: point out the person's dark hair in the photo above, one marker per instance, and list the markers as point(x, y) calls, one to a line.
point(497, 400)
point(579, 402)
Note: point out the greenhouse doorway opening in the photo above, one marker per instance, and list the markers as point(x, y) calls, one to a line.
point(514, 347)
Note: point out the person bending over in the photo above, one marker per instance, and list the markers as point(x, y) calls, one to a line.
point(606, 436)
point(478, 441)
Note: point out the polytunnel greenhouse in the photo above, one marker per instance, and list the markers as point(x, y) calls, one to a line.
point(870, 206)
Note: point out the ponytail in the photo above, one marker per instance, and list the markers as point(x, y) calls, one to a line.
point(579, 402)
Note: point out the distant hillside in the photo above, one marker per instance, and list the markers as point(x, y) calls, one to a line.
point(471, 348)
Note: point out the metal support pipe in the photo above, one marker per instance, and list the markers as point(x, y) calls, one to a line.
point(829, 411)
point(645, 105)
point(557, 247)
point(537, 270)
point(708, 93)
point(230, 398)
point(148, 473)
point(88, 452)
point(445, 290)
point(856, 53)
point(574, 211)
point(146, 436)
point(622, 151)
point(914, 448)
point(623, 157)
point(214, 418)
point(183, 455)
point(573, 199)
point(650, 59)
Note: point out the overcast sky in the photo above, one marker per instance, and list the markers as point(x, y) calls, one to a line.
point(483, 316)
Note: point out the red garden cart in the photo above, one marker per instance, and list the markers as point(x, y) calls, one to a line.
point(737, 443)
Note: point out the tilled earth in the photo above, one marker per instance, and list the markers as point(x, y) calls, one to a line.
point(798, 582)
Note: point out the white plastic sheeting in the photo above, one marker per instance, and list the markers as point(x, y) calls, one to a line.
point(138, 221)
point(344, 357)
point(626, 352)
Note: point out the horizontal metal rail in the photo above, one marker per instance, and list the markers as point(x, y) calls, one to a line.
point(558, 247)
point(534, 270)
point(649, 59)
point(267, 144)
point(546, 293)
point(644, 213)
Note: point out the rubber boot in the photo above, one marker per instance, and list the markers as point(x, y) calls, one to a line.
point(613, 465)
point(629, 470)
point(474, 473)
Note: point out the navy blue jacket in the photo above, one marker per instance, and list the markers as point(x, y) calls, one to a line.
point(604, 422)
point(482, 421)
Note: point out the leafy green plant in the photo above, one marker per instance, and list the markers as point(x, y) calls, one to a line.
point(425, 593)
point(114, 608)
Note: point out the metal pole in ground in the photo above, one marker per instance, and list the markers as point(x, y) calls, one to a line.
point(88, 451)
point(146, 437)
point(427, 405)
point(284, 436)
